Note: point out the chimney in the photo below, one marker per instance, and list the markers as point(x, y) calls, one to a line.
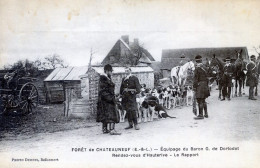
point(136, 42)
point(125, 38)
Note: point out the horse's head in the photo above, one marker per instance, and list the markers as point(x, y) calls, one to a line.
point(215, 66)
point(240, 65)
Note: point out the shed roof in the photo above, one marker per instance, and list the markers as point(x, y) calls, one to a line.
point(67, 74)
point(118, 70)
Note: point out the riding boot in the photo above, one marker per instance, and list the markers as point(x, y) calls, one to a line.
point(130, 125)
point(201, 105)
point(130, 120)
point(251, 93)
point(224, 93)
point(104, 128)
point(229, 93)
point(205, 110)
point(136, 124)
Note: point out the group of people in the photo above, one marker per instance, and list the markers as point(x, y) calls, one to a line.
point(106, 107)
point(251, 78)
point(200, 83)
point(130, 87)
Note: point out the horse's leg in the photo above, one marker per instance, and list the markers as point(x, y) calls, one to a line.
point(179, 81)
point(235, 87)
point(217, 82)
point(256, 90)
point(240, 87)
point(219, 90)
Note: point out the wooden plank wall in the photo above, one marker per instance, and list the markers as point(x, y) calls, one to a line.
point(55, 90)
point(76, 107)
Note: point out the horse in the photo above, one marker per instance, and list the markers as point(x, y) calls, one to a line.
point(175, 75)
point(240, 76)
point(216, 72)
point(181, 73)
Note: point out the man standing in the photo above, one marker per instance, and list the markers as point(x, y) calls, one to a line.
point(227, 79)
point(252, 76)
point(106, 107)
point(130, 86)
point(200, 86)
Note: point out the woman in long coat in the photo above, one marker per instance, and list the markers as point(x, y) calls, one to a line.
point(106, 107)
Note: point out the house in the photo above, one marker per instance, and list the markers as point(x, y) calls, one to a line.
point(127, 53)
point(122, 54)
point(177, 57)
point(61, 79)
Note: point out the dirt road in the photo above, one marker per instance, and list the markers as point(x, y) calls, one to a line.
point(232, 123)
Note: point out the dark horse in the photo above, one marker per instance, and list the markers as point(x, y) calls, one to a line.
point(216, 72)
point(240, 76)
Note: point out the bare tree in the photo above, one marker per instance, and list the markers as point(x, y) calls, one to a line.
point(257, 50)
point(133, 57)
point(53, 61)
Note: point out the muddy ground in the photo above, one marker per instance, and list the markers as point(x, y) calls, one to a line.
point(232, 123)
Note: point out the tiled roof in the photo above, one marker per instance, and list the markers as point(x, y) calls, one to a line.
point(172, 57)
point(118, 70)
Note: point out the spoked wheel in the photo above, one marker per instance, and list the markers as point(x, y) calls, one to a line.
point(28, 98)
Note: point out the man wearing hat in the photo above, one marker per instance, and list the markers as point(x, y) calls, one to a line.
point(130, 86)
point(252, 77)
point(106, 107)
point(200, 86)
point(227, 79)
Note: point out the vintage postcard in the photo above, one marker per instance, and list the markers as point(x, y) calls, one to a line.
point(129, 83)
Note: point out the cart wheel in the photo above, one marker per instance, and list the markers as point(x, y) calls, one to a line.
point(28, 98)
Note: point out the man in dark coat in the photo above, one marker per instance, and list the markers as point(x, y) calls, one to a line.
point(200, 86)
point(227, 79)
point(106, 107)
point(252, 77)
point(130, 86)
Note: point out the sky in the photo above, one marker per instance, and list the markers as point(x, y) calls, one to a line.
point(36, 29)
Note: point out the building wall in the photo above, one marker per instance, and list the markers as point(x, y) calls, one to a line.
point(55, 90)
point(166, 73)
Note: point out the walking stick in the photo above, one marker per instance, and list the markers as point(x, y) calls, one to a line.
point(194, 104)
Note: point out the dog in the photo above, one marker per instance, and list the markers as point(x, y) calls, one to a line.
point(178, 97)
point(144, 112)
point(189, 96)
point(119, 107)
point(157, 109)
point(142, 108)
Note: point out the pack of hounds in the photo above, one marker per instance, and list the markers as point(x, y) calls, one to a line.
point(153, 103)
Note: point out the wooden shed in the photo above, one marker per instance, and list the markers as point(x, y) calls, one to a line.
point(61, 79)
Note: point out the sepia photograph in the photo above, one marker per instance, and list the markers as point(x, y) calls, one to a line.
point(129, 83)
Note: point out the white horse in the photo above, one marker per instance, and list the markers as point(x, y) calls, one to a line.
point(175, 75)
point(181, 73)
